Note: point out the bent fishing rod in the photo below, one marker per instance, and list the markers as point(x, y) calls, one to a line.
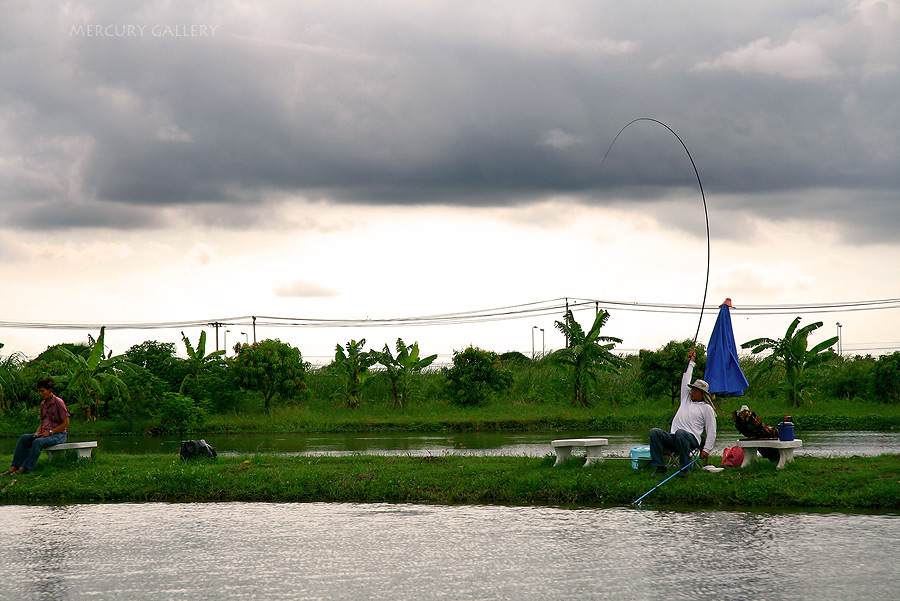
point(702, 196)
point(639, 499)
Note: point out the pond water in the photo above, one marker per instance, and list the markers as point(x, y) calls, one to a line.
point(530, 444)
point(379, 551)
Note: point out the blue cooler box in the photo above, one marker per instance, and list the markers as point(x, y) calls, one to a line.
point(640, 457)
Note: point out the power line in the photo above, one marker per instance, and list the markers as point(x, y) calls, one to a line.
point(508, 312)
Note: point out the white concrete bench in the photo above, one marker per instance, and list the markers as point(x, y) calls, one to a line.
point(82, 448)
point(591, 446)
point(785, 450)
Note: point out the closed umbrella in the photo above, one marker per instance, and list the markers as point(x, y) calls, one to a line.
point(723, 372)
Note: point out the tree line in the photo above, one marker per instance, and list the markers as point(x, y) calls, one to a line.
point(149, 383)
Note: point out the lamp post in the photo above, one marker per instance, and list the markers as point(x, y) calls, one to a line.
point(246, 338)
point(225, 341)
point(543, 344)
point(840, 348)
point(533, 328)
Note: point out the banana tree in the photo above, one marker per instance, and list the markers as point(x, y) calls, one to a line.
point(586, 355)
point(400, 369)
point(354, 364)
point(87, 378)
point(198, 359)
point(793, 354)
point(11, 381)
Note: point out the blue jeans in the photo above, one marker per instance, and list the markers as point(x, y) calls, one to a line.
point(679, 443)
point(29, 448)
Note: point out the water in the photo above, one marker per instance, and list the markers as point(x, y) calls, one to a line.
point(425, 552)
point(531, 444)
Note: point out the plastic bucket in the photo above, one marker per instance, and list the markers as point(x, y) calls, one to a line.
point(640, 457)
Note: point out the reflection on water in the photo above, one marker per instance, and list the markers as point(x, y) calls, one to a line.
point(530, 444)
point(351, 551)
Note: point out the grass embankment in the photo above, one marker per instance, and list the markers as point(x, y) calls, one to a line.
point(838, 483)
point(317, 415)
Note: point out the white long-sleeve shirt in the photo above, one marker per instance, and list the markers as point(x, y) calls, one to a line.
point(695, 417)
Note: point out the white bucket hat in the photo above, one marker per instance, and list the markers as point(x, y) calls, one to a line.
point(703, 387)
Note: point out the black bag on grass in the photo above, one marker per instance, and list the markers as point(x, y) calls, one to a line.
point(192, 449)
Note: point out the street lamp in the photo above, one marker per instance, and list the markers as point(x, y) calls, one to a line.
point(246, 338)
point(533, 328)
point(840, 348)
point(225, 341)
point(543, 344)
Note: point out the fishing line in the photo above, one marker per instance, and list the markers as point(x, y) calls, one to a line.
point(702, 195)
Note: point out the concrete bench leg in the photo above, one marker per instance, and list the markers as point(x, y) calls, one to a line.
point(784, 456)
point(750, 455)
point(593, 456)
point(562, 453)
point(83, 453)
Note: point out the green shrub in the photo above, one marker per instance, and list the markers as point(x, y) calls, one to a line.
point(475, 374)
point(886, 378)
point(178, 413)
point(849, 379)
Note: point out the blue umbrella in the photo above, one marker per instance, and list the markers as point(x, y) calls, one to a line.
point(723, 372)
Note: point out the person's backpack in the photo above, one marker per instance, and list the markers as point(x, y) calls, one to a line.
point(733, 457)
point(192, 449)
point(749, 424)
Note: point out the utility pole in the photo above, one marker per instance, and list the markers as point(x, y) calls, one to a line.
point(216, 325)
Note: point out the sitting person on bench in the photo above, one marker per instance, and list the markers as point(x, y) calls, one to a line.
point(52, 430)
point(695, 414)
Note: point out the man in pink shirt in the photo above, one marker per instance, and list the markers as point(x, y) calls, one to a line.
point(54, 423)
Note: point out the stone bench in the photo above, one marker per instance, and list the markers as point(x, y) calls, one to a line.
point(785, 450)
point(82, 448)
point(592, 446)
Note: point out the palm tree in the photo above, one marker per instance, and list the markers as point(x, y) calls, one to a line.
point(792, 353)
point(586, 355)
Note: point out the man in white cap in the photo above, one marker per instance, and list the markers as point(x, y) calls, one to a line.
point(695, 414)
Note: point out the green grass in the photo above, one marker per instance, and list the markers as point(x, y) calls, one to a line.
point(837, 483)
point(504, 414)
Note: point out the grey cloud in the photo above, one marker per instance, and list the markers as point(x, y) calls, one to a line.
point(482, 105)
point(69, 215)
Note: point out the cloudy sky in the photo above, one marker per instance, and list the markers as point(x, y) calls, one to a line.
point(180, 161)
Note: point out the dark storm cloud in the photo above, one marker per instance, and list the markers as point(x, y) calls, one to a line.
point(433, 103)
point(67, 215)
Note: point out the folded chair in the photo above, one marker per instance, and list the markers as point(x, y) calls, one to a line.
point(672, 461)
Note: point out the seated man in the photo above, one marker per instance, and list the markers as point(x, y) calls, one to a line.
point(54, 423)
point(695, 414)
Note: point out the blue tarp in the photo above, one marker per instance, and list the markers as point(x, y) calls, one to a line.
point(723, 372)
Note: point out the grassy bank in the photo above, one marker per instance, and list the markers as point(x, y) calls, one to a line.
point(839, 483)
point(318, 415)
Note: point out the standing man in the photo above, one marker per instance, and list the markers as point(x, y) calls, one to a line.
point(54, 423)
point(695, 414)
